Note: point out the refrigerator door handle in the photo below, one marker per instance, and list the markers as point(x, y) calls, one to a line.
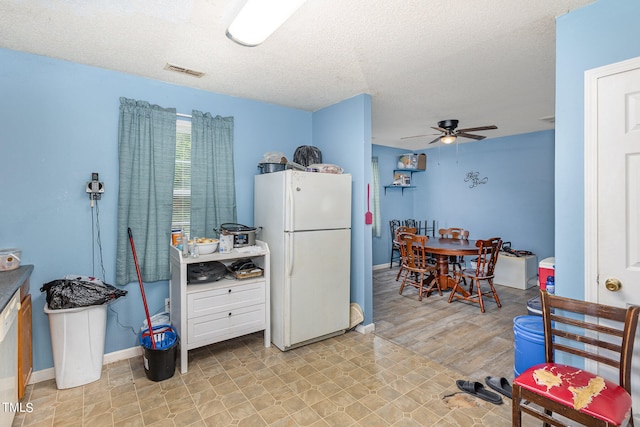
point(290, 246)
point(291, 205)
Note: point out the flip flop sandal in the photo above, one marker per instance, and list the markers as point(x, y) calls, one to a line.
point(477, 389)
point(501, 385)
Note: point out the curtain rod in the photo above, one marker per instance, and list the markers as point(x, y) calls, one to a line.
point(183, 115)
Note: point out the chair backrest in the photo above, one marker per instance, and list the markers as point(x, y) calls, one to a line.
point(411, 223)
point(405, 229)
point(399, 242)
point(454, 233)
point(416, 254)
point(488, 251)
point(393, 225)
point(566, 332)
point(430, 228)
point(402, 246)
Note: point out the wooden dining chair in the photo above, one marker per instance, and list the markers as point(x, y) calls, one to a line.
point(591, 331)
point(454, 233)
point(488, 251)
point(455, 262)
point(395, 249)
point(401, 245)
point(418, 271)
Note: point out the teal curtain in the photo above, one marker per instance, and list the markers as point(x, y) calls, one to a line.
point(375, 198)
point(146, 150)
point(213, 191)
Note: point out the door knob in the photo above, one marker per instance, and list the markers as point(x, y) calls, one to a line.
point(612, 284)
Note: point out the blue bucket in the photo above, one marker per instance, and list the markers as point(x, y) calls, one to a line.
point(159, 362)
point(528, 343)
point(164, 336)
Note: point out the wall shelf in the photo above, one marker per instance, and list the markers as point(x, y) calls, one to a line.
point(405, 175)
point(398, 186)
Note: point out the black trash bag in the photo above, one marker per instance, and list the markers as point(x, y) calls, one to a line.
point(79, 291)
point(306, 155)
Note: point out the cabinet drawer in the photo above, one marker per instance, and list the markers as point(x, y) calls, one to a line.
point(224, 299)
point(225, 324)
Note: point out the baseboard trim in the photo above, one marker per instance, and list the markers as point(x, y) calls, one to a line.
point(380, 266)
point(116, 356)
point(366, 329)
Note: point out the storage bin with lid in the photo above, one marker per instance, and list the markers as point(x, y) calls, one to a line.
point(546, 268)
point(528, 343)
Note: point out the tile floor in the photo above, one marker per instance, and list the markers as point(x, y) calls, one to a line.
point(403, 375)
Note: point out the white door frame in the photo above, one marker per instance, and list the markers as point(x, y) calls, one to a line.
point(591, 170)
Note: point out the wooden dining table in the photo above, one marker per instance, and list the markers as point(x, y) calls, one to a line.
point(443, 248)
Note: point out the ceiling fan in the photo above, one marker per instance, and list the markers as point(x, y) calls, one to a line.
point(450, 133)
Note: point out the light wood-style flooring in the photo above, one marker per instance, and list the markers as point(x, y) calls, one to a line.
point(457, 335)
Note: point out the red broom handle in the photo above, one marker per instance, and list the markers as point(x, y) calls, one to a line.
point(144, 298)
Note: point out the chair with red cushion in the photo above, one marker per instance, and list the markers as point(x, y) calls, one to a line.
point(592, 331)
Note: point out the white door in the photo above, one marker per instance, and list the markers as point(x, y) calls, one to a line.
point(317, 201)
point(318, 269)
point(612, 192)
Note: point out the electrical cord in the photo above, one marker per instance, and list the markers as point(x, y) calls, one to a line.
point(98, 239)
point(133, 331)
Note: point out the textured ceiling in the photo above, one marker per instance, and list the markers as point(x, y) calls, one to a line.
point(482, 62)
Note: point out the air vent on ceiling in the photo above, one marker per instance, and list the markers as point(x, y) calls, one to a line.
point(548, 119)
point(183, 70)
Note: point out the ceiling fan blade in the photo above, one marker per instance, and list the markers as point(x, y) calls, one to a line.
point(478, 128)
point(435, 140)
point(439, 128)
point(468, 135)
point(415, 136)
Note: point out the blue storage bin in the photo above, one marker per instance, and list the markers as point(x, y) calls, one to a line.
point(528, 343)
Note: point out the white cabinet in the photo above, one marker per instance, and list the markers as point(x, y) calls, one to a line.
point(206, 313)
point(516, 272)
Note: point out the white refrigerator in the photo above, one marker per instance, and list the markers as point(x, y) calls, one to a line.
point(305, 218)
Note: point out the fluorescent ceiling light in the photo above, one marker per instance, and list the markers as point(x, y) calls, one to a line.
point(447, 139)
point(258, 19)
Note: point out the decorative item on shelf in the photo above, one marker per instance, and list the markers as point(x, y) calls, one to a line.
point(402, 179)
point(413, 161)
point(473, 179)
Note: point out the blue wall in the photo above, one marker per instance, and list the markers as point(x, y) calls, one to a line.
point(59, 124)
point(345, 129)
point(516, 203)
point(394, 203)
point(598, 34)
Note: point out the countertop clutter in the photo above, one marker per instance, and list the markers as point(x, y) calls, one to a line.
point(306, 158)
point(10, 282)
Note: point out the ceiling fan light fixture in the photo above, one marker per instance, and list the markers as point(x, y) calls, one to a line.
point(447, 139)
point(258, 19)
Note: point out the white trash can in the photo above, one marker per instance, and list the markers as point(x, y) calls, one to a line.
point(77, 341)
